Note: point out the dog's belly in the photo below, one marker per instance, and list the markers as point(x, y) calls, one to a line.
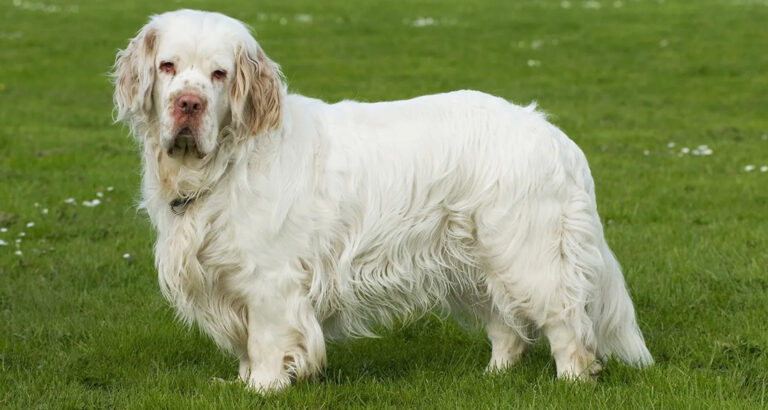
point(412, 254)
point(426, 262)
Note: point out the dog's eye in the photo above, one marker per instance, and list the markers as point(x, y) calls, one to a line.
point(168, 67)
point(219, 75)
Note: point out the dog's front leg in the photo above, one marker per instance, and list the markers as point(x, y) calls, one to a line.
point(285, 341)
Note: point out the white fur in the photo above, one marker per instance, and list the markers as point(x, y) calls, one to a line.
point(347, 215)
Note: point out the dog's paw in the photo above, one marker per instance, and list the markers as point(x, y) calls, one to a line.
point(267, 384)
point(500, 365)
point(590, 373)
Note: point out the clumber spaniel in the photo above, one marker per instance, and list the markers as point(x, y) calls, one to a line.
point(283, 221)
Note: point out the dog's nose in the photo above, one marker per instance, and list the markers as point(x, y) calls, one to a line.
point(189, 104)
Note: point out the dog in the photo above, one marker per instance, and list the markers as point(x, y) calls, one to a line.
point(283, 221)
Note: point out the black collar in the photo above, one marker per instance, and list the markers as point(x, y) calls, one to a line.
point(179, 205)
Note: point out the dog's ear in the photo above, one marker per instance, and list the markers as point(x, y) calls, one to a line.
point(133, 75)
point(257, 92)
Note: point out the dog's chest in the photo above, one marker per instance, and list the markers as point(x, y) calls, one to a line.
point(197, 261)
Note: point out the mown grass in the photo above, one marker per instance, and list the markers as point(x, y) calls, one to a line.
point(82, 326)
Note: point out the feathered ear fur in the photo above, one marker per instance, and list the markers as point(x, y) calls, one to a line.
point(133, 76)
point(257, 91)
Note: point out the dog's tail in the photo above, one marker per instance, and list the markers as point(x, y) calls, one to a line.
point(614, 319)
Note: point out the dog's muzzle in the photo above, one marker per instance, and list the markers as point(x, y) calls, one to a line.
point(185, 141)
point(188, 111)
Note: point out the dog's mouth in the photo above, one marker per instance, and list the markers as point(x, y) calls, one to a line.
point(185, 141)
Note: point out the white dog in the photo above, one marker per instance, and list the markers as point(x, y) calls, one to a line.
point(284, 221)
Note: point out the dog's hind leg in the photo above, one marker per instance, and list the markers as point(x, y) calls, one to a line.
point(560, 316)
point(548, 273)
point(566, 325)
point(570, 263)
point(507, 343)
point(574, 357)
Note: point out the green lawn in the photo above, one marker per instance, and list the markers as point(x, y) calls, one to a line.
point(83, 326)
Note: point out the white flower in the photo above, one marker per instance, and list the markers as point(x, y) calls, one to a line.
point(534, 63)
point(126, 256)
point(749, 168)
point(18, 252)
point(45, 210)
point(37, 204)
point(592, 5)
point(671, 145)
point(304, 18)
point(685, 150)
point(764, 168)
point(91, 204)
point(30, 224)
point(110, 188)
point(702, 150)
point(22, 234)
point(100, 195)
point(536, 44)
point(646, 152)
point(423, 22)
point(3, 243)
point(70, 201)
point(3, 230)
point(18, 241)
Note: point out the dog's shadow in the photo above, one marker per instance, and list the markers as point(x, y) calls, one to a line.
point(426, 346)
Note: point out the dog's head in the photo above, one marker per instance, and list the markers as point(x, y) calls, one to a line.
point(188, 76)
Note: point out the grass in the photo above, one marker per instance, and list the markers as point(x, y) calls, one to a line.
point(83, 327)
